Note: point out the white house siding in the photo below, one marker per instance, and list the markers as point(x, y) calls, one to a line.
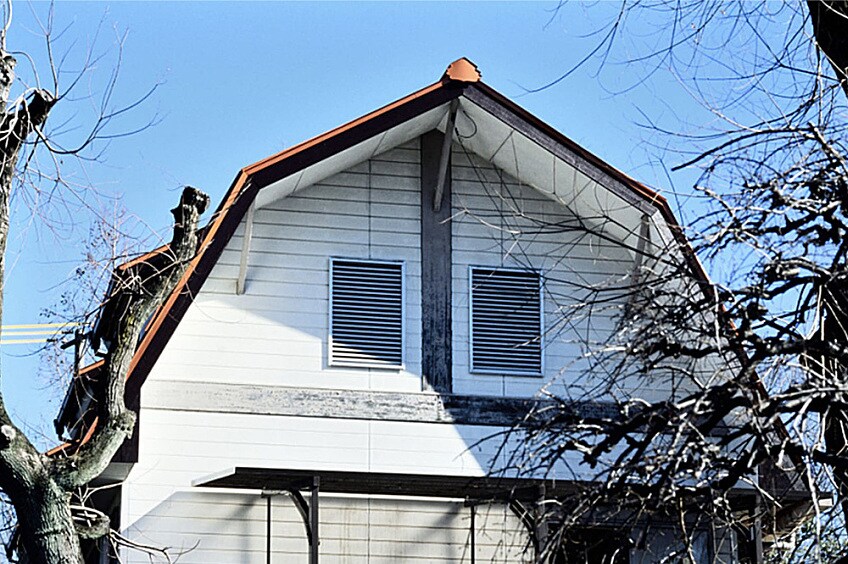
point(276, 333)
point(497, 221)
point(161, 508)
point(216, 527)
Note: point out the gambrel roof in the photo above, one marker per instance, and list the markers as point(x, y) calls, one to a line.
point(501, 132)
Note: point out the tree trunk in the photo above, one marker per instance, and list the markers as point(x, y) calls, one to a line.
point(830, 26)
point(47, 527)
point(43, 509)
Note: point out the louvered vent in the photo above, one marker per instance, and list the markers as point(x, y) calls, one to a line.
point(506, 321)
point(366, 307)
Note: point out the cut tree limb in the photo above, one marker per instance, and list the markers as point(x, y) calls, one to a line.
point(40, 487)
point(143, 291)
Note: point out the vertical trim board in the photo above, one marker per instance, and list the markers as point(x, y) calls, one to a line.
point(436, 258)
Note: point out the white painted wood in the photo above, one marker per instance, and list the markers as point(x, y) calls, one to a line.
point(245, 248)
point(497, 223)
point(444, 159)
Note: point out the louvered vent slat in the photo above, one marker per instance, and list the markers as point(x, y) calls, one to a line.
point(366, 306)
point(506, 324)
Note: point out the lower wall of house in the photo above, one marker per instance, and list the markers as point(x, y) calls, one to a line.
point(206, 526)
point(161, 508)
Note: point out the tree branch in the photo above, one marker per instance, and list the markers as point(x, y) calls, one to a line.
point(144, 289)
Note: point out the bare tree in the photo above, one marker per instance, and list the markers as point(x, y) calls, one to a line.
point(753, 433)
point(45, 490)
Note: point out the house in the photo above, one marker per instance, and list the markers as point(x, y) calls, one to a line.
point(366, 316)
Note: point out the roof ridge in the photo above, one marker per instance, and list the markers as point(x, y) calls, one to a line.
point(462, 70)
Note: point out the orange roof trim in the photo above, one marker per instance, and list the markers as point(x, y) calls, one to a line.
point(463, 70)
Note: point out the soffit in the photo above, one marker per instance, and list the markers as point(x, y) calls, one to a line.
point(347, 158)
point(601, 202)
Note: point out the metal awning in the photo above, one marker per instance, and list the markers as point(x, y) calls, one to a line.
point(425, 485)
point(474, 489)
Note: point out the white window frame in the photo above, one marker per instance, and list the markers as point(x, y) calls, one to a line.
point(506, 372)
point(380, 366)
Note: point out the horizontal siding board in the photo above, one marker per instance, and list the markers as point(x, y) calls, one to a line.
point(313, 295)
point(501, 223)
point(267, 330)
point(306, 262)
point(252, 339)
point(306, 372)
point(265, 235)
point(345, 404)
point(345, 189)
point(348, 248)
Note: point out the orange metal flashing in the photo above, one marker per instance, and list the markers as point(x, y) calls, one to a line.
point(59, 449)
point(70, 448)
point(463, 70)
point(92, 366)
point(143, 258)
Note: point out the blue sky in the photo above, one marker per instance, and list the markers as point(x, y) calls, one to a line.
point(240, 81)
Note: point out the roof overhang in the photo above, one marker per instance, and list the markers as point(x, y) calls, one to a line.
point(371, 483)
point(346, 158)
point(492, 127)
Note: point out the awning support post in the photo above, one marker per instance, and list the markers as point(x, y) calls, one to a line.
point(309, 513)
point(268, 531)
point(268, 495)
point(313, 521)
point(541, 526)
point(757, 532)
point(473, 533)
